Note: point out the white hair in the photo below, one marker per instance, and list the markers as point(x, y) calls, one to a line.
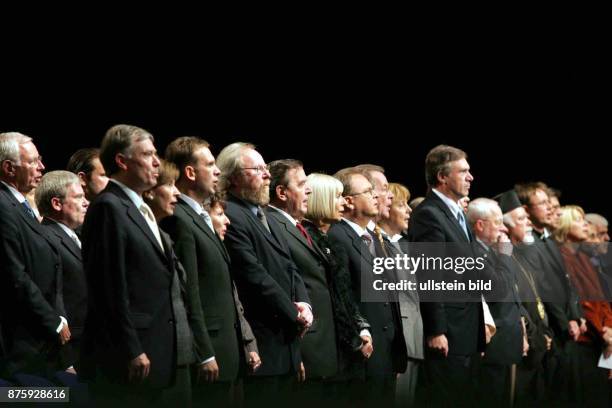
point(9, 146)
point(508, 220)
point(596, 220)
point(481, 209)
point(229, 162)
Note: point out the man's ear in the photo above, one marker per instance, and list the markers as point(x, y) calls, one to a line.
point(121, 161)
point(83, 178)
point(8, 168)
point(189, 173)
point(349, 203)
point(441, 178)
point(281, 192)
point(56, 204)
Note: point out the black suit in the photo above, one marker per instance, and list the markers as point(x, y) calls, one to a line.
point(319, 349)
point(210, 290)
point(130, 281)
point(30, 291)
point(389, 356)
point(268, 283)
point(74, 288)
point(462, 322)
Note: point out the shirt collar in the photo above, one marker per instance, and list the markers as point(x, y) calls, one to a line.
point(197, 207)
point(290, 218)
point(132, 195)
point(360, 231)
point(452, 205)
point(18, 196)
point(66, 229)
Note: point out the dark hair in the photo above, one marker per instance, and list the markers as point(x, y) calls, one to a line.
point(82, 160)
point(438, 160)
point(525, 191)
point(180, 151)
point(278, 173)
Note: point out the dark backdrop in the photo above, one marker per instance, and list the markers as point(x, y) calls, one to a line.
point(517, 122)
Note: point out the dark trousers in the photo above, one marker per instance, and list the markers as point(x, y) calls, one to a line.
point(450, 381)
point(264, 391)
point(217, 394)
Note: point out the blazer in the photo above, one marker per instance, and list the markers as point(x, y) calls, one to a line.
point(130, 294)
point(30, 290)
point(461, 322)
point(389, 354)
point(210, 289)
point(319, 348)
point(74, 288)
point(268, 283)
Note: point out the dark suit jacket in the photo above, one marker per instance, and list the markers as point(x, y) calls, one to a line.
point(74, 288)
point(389, 354)
point(506, 346)
point(214, 313)
point(461, 322)
point(30, 290)
point(268, 283)
point(129, 293)
point(319, 348)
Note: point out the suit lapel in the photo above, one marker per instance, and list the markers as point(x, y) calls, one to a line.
point(293, 231)
point(66, 241)
point(358, 243)
point(451, 218)
point(201, 224)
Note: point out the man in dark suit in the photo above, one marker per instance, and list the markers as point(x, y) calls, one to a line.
point(210, 288)
point(130, 349)
point(86, 164)
point(61, 201)
point(270, 287)
point(32, 313)
point(454, 331)
point(509, 343)
point(288, 205)
point(389, 356)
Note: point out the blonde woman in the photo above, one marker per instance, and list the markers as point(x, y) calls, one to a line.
point(325, 205)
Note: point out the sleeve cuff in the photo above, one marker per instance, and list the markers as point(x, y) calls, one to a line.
point(62, 323)
point(208, 360)
point(365, 332)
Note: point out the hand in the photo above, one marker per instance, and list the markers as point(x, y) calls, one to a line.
point(607, 335)
point(138, 368)
point(254, 361)
point(583, 325)
point(574, 330)
point(488, 334)
point(607, 352)
point(525, 346)
point(439, 343)
point(304, 314)
point(208, 372)
point(301, 374)
point(64, 334)
point(548, 342)
point(367, 347)
point(504, 245)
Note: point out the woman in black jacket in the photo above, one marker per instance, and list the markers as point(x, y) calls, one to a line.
point(325, 204)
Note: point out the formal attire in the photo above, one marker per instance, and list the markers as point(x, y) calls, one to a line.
point(389, 356)
point(216, 319)
point(133, 297)
point(31, 300)
point(440, 220)
point(74, 287)
point(269, 285)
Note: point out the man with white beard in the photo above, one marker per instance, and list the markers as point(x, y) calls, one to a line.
point(530, 372)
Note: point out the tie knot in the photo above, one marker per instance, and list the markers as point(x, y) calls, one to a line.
point(146, 211)
point(367, 238)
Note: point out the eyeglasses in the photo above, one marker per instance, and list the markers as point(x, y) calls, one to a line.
point(258, 170)
point(369, 191)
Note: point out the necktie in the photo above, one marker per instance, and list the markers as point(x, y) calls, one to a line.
point(76, 240)
point(304, 233)
point(368, 241)
point(28, 209)
point(150, 218)
point(207, 220)
point(262, 218)
point(381, 240)
point(461, 220)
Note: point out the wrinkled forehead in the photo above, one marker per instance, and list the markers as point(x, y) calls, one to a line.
point(460, 165)
point(359, 181)
point(379, 178)
point(28, 149)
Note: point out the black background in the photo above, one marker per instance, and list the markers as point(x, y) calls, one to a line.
point(525, 117)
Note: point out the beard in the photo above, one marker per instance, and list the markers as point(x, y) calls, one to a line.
point(528, 238)
point(259, 197)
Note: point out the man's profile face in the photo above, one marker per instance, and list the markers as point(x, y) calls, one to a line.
point(29, 172)
point(459, 179)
